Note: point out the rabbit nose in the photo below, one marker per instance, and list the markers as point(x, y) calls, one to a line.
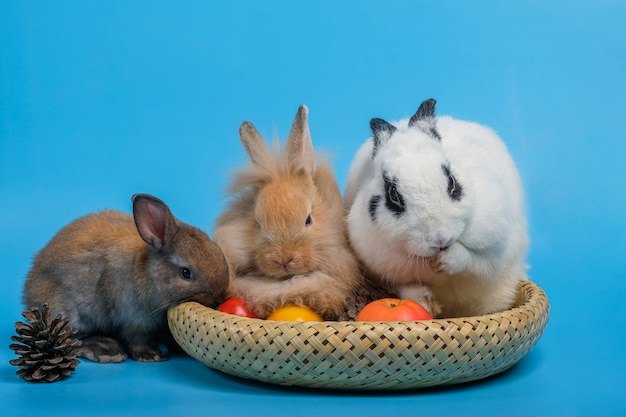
point(445, 245)
point(442, 243)
point(284, 263)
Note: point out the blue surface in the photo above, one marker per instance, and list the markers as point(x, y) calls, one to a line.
point(99, 100)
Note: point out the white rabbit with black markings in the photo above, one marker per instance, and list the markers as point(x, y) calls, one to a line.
point(436, 212)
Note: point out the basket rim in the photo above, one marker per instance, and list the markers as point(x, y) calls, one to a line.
point(435, 352)
point(532, 291)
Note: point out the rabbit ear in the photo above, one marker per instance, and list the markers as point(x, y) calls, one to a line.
point(299, 145)
point(256, 147)
point(154, 220)
point(381, 132)
point(424, 118)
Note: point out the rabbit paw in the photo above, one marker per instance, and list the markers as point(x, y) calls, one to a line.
point(452, 260)
point(436, 265)
point(423, 295)
point(147, 352)
point(102, 349)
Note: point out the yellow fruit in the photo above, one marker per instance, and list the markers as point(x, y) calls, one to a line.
point(295, 313)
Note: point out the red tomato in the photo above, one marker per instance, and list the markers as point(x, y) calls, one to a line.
point(393, 309)
point(237, 306)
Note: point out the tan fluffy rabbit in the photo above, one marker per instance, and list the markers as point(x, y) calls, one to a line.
point(114, 277)
point(284, 234)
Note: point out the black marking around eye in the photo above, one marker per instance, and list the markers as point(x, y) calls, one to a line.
point(393, 199)
point(374, 206)
point(455, 189)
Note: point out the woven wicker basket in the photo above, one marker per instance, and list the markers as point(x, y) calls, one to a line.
point(363, 355)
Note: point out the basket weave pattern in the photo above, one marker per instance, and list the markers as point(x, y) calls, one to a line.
point(363, 355)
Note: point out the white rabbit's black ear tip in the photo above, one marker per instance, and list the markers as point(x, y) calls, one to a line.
point(429, 104)
point(424, 118)
point(425, 110)
point(381, 132)
point(380, 125)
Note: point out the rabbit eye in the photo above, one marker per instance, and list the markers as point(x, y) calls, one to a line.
point(394, 196)
point(455, 190)
point(309, 221)
point(451, 184)
point(186, 273)
point(393, 199)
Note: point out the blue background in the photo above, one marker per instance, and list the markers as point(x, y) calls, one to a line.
point(100, 100)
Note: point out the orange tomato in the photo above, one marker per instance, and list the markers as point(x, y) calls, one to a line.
point(295, 313)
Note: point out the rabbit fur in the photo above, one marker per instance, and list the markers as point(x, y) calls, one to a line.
point(284, 233)
point(114, 276)
point(436, 212)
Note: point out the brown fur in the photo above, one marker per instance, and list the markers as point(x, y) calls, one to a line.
point(114, 276)
point(276, 257)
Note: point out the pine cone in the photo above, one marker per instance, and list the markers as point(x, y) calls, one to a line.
point(46, 347)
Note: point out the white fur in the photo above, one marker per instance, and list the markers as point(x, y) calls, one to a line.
point(479, 272)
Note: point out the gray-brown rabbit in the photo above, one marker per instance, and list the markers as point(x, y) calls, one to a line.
point(114, 277)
